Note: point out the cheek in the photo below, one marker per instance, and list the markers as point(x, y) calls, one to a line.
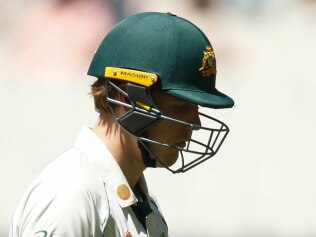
point(168, 132)
point(165, 132)
point(160, 131)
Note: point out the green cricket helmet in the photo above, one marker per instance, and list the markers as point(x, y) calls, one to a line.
point(170, 54)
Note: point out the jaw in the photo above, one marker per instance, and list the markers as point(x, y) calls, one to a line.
point(166, 156)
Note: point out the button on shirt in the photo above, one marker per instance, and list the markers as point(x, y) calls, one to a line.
point(84, 193)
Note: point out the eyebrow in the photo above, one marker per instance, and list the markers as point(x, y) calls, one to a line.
point(185, 103)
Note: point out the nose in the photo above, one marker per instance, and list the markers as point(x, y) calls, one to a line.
point(195, 118)
point(197, 123)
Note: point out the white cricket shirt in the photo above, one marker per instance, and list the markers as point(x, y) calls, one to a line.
point(84, 193)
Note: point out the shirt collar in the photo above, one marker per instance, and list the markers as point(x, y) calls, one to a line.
point(106, 167)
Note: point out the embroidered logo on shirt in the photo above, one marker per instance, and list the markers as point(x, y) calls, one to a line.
point(128, 234)
point(41, 233)
point(123, 192)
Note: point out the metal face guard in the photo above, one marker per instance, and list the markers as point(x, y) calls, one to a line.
point(203, 144)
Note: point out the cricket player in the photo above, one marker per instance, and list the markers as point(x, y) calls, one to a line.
point(153, 72)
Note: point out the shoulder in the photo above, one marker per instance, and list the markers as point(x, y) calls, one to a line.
point(69, 170)
point(72, 175)
point(65, 195)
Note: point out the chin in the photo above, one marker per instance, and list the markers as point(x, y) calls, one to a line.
point(168, 159)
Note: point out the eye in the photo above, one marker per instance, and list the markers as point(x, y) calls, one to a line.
point(182, 108)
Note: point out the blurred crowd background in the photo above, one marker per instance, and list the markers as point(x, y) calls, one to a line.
point(261, 182)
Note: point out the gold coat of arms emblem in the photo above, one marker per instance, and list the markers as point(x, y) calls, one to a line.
point(208, 62)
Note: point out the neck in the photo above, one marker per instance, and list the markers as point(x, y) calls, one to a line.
point(123, 147)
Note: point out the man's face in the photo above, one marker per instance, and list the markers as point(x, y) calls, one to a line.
point(170, 132)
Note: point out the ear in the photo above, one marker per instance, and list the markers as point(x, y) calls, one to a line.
point(122, 98)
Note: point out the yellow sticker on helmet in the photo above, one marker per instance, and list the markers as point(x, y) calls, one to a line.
point(134, 76)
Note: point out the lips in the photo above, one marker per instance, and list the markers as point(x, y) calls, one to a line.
point(180, 144)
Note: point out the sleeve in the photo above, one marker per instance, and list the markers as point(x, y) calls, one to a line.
point(50, 211)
